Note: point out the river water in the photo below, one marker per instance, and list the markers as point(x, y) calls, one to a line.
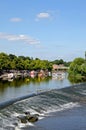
point(59, 104)
point(22, 87)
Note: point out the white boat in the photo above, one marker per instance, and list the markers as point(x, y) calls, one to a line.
point(58, 75)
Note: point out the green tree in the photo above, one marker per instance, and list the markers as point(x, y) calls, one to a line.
point(77, 70)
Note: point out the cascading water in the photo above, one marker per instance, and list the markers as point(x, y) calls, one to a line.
point(42, 104)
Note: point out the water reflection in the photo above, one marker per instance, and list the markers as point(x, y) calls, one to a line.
point(23, 86)
point(22, 81)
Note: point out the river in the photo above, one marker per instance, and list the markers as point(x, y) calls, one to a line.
point(59, 104)
point(21, 87)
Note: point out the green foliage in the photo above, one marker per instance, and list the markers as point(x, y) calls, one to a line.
point(77, 70)
point(8, 62)
point(61, 62)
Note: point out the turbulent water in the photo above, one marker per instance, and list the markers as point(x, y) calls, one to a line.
point(42, 103)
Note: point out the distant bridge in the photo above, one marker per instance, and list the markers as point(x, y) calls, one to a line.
point(60, 67)
point(63, 68)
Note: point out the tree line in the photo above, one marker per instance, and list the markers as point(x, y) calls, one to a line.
point(13, 62)
point(76, 72)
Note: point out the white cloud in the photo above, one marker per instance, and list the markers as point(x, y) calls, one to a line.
point(49, 14)
point(43, 15)
point(21, 37)
point(16, 19)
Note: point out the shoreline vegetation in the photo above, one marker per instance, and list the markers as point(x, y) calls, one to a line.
point(77, 70)
point(12, 66)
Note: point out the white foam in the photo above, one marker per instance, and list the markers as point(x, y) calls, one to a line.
point(21, 125)
point(42, 115)
point(16, 128)
point(62, 107)
point(15, 114)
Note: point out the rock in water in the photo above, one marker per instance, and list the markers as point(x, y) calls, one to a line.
point(27, 113)
point(23, 119)
point(32, 118)
point(28, 117)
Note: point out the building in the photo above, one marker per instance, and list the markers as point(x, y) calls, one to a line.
point(59, 67)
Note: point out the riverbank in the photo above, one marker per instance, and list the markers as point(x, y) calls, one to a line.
point(9, 75)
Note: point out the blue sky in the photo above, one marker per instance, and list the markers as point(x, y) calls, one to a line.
point(46, 29)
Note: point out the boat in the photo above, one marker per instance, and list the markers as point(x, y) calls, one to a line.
point(58, 75)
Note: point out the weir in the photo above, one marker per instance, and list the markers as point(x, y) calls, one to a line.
point(42, 103)
point(62, 91)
